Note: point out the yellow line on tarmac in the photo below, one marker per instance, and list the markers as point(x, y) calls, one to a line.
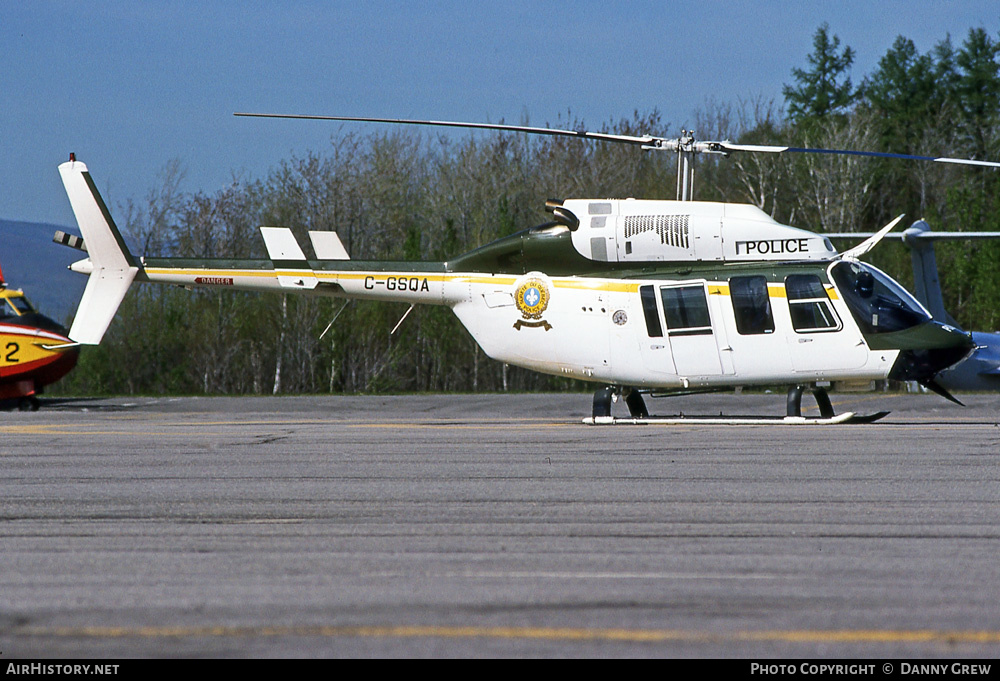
point(876, 636)
point(464, 426)
point(92, 429)
point(543, 633)
point(64, 429)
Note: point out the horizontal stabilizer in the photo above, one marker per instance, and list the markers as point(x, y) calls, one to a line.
point(289, 260)
point(328, 246)
point(281, 244)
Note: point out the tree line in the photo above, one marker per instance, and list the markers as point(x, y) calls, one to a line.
point(400, 195)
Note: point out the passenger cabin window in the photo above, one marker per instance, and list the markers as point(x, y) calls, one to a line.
point(648, 298)
point(808, 304)
point(686, 310)
point(751, 305)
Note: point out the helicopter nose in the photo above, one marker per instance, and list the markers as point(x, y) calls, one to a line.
point(928, 350)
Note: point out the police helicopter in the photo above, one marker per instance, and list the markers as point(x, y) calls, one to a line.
point(637, 296)
point(34, 350)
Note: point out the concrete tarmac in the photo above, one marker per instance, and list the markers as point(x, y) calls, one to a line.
point(497, 526)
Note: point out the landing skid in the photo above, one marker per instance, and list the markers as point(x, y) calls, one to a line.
point(638, 415)
point(846, 417)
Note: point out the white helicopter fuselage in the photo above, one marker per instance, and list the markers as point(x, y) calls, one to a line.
point(617, 331)
point(607, 330)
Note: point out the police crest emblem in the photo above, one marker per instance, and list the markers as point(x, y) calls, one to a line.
point(532, 298)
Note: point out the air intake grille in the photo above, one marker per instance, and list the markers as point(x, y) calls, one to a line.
point(673, 229)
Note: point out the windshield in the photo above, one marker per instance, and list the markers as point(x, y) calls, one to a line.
point(878, 304)
point(21, 304)
point(16, 305)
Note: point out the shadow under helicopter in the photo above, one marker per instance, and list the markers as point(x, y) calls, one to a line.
point(65, 404)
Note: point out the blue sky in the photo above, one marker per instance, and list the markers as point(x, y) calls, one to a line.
point(130, 85)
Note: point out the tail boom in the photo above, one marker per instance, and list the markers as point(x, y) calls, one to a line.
point(421, 283)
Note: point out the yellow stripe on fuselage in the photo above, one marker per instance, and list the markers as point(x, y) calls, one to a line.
point(574, 283)
point(773, 290)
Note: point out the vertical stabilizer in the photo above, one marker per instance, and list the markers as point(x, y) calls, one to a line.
point(112, 267)
point(926, 283)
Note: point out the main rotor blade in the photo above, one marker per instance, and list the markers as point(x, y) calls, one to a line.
point(727, 146)
point(919, 236)
point(582, 134)
point(646, 141)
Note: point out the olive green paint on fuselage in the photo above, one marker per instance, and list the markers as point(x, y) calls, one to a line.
point(547, 248)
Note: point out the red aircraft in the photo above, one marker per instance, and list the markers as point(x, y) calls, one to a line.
point(35, 351)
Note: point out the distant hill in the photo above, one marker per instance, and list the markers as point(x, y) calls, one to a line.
point(32, 262)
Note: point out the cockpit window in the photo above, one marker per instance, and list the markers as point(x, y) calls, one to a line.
point(879, 304)
point(15, 306)
point(21, 304)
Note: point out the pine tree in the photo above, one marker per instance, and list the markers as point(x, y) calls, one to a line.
point(824, 89)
